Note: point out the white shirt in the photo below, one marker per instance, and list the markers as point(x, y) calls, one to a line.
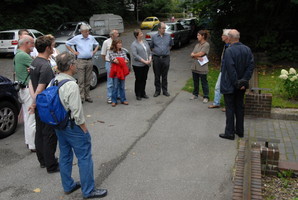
point(106, 47)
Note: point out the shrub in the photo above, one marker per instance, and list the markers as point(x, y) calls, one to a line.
point(290, 82)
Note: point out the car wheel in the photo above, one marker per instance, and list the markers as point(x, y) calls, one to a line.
point(8, 119)
point(94, 79)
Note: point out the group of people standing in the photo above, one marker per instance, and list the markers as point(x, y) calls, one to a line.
point(36, 74)
point(236, 68)
point(143, 55)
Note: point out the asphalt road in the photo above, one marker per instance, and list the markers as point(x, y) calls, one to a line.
point(163, 148)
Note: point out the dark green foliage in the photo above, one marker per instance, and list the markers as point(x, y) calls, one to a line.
point(46, 15)
point(265, 25)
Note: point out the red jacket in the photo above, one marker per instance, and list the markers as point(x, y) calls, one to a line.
point(119, 70)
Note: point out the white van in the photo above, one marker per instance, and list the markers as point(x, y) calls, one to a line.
point(102, 24)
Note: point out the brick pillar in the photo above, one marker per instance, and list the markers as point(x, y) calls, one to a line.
point(257, 104)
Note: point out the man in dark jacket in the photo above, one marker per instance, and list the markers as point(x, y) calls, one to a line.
point(237, 69)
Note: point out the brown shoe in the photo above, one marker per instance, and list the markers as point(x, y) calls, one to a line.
point(113, 104)
point(125, 102)
point(213, 106)
point(223, 110)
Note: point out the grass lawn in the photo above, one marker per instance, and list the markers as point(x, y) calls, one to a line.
point(268, 78)
point(212, 78)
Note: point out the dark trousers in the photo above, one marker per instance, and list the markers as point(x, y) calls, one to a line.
point(234, 108)
point(45, 143)
point(160, 69)
point(141, 78)
point(196, 84)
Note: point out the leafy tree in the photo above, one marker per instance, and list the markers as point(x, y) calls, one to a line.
point(265, 25)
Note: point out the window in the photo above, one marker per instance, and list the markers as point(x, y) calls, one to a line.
point(7, 36)
point(37, 34)
point(180, 27)
point(148, 20)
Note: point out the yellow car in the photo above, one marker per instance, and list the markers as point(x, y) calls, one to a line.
point(149, 22)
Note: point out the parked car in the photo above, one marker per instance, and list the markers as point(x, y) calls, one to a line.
point(9, 39)
point(70, 29)
point(192, 25)
point(149, 22)
point(99, 69)
point(179, 35)
point(9, 107)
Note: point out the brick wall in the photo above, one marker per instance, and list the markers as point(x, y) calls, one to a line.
point(258, 105)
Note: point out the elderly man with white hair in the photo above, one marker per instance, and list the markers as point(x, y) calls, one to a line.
point(22, 62)
point(237, 69)
point(84, 51)
point(217, 94)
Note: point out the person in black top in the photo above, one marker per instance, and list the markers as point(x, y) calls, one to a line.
point(236, 71)
point(41, 75)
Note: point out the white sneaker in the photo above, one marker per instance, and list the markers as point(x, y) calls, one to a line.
point(205, 100)
point(109, 101)
point(193, 97)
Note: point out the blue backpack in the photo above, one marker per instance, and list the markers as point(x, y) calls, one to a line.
point(50, 108)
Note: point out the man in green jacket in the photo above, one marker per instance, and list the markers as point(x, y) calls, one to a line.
point(22, 62)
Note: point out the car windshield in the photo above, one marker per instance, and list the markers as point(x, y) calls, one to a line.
point(187, 22)
point(148, 20)
point(7, 36)
point(37, 34)
point(169, 27)
point(67, 27)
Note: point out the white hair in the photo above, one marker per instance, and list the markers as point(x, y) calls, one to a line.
point(225, 32)
point(25, 38)
point(234, 34)
point(84, 27)
point(112, 32)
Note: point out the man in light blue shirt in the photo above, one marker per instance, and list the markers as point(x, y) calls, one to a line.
point(160, 45)
point(84, 51)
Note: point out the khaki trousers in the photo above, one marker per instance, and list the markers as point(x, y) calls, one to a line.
point(84, 73)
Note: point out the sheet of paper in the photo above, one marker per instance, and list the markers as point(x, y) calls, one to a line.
point(204, 61)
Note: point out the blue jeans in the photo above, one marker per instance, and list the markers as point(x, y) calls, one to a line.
point(73, 139)
point(217, 94)
point(109, 80)
point(118, 88)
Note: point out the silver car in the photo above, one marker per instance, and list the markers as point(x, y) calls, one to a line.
point(178, 33)
point(70, 29)
point(9, 39)
point(99, 69)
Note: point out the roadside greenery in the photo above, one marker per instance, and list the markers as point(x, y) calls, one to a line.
point(290, 82)
point(280, 187)
point(268, 78)
point(212, 78)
